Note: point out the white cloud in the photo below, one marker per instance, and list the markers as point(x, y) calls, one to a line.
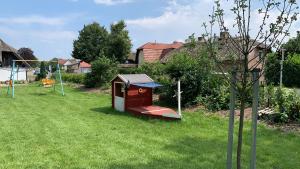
point(180, 19)
point(34, 19)
point(112, 2)
point(176, 22)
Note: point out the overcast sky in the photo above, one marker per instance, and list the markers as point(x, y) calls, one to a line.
point(49, 27)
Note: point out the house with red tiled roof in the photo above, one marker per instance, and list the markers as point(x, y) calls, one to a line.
point(61, 62)
point(77, 66)
point(154, 52)
point(85, 67)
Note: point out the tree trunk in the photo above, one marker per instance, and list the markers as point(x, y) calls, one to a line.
point(240, 134)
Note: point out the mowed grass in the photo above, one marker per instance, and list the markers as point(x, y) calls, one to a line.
point(41, 129)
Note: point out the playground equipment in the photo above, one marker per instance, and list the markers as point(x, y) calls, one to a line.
point(47, 82)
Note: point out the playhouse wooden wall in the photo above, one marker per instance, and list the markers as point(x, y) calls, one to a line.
point(137, 96)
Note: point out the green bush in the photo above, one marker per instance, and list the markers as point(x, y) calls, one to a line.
point(286, 103)
point(291, 71)
point(272, 69)
point(216, 95)
point(73, 78)
point(192, 72)
point(103, 70)
point(43, 72)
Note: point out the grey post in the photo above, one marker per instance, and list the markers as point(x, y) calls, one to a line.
point(231, 120)
point(255, 76)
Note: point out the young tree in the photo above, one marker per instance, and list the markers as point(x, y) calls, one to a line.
point(91, 43)
point(43, 72)
point(119, 42)
point(270, 34)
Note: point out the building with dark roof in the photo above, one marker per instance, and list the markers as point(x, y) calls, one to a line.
point(8, 54)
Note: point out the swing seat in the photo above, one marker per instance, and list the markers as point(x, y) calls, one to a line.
point(48, 82)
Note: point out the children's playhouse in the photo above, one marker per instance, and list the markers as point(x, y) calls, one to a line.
point(133, 93)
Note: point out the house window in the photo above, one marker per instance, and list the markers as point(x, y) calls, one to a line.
point(261, 54)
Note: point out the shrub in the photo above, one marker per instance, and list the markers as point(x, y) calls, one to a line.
point(103, 70)
point(287, 106)
point(272, 69)
point(157, 70)
point(216, 95)
point(43, 72)
point(193, 74)
point(73, 78)
point(291, 71)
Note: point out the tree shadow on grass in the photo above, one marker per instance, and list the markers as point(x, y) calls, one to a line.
point(185, 153)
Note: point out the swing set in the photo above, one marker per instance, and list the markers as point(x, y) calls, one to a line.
point(46, 82)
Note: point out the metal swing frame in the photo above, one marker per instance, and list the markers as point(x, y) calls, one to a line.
point(13, 72)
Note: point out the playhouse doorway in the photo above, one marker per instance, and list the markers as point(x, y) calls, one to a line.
point(119, 96)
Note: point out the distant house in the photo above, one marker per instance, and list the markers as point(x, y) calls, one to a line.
point(228, 55)
point(61, 62)
point(154, 52)
point(77, 66)
point(84, 67)
point(71, 65)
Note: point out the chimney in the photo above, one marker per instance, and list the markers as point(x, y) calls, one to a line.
point(201, 39)
point(224, 35)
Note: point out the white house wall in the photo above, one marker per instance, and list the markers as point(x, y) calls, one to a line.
point(5, 74)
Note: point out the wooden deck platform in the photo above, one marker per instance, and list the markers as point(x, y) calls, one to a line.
point(155, 111)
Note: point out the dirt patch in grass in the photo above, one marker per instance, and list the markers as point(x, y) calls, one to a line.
point(98, 90)
point(289, 127)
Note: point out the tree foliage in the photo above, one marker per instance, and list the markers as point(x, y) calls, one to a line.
point(94, 41)
point(193, 72)
point(293, 45)
point(103, 70)
point(28, 54)
point(43, 71)
point(291, 71)
point(91, 43)
point(272, 69)
point(119, 43)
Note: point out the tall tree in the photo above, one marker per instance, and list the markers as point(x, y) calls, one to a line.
point(119, 42)
point(28, 54)
point(270, 34)
point(91, 43)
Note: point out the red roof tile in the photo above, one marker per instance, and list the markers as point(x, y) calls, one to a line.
point(161, 46)
point(84, 65)
point(62, 61)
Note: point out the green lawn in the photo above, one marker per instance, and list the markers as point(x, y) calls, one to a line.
point(41, 129)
